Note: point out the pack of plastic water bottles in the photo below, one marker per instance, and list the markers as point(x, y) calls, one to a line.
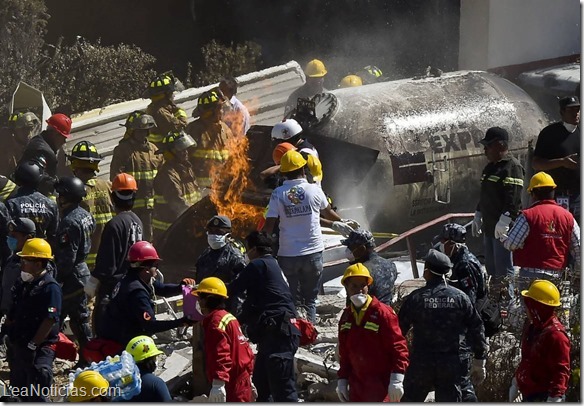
point(121, 372)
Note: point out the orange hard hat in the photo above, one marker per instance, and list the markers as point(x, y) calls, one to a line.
point(124, 181)
point(280, 150)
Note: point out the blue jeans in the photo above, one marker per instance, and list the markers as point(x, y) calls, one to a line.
point(499, 262)
point(303, 274)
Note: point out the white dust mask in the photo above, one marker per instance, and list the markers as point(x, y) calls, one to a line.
point(349, 254)
point(216, 241)
point(26, 277)
point(359, 299)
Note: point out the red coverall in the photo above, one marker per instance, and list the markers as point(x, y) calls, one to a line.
point(371, 351)
point(545, 354)
point(228, 355)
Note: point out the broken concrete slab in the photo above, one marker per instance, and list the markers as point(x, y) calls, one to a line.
point(323, 392)
point(309, 362)
point(174, 365)
point(305, 379)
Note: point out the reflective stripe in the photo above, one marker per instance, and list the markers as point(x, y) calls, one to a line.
point(371, 326)
point(155, 137)
point(228, 318)
point(160, 225)
point(90, 260)
point(180, 113)
point(493, 178)
point(7, 190)
point(192, 198)
point(513, 181)
point(53, 198)
point(145, 202)
point(204, 182)
point(144, 175)
point(159, 199)
point(345, 326)
point(103, 218)
point(218, 155)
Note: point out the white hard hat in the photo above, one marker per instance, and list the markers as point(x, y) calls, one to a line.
point(286, 129)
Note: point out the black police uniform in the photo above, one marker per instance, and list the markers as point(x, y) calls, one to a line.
point(131, 311)
point(74, 243)
point(266, 313)
point(441, 316)
point(223, 263)
point(4, 220)
point(38, 147)
point(111, 262)
point(33, 303)
point(35, 206)
point(384, 273)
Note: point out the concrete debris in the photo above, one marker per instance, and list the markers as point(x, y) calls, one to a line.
point(330, 304)
point(306, 361)
point(305, 379)
point(323, 392)
point(327, 334)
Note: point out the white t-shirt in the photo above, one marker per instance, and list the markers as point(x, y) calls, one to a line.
point(298, 204)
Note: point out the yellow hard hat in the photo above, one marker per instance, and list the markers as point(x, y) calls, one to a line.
point(351, 81)
point(36, 248)
point(142, 347)
point(212, 286)
point(544, 292)
point(315, 167)
point(88, 385)
point(541, 179)
point(315, 69)
point(357, 269)
point(291, 161)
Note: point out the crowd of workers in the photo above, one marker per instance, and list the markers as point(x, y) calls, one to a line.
point(74, 239)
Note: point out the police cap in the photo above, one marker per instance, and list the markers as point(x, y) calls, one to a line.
point(452, 232)
point(219, 222)
point(22, 225)
point(570, 101)
point(359, 237)
point(437, 262)
point(495, 134)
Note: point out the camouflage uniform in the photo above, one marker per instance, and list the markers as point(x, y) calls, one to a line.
point(169, 118)
point(4, 220)
point(440, 316)
point(384, 273)
point(35, 206)
point(74, 243)
point(98, 202)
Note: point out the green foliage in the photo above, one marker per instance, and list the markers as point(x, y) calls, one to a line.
point(86, 76)
point(220, 60)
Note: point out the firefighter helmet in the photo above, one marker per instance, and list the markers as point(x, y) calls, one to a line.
point(177, 141)
point(315, 69)
point(61, 123)
point(544, 292)
point(36, 248)
point(161, 84)
point(142, 347)
point(142, 251)
point(209, 100)
point(351, 81)
point(138, 120)
point(71, 187)
point(286, 129)
point(373, 71)
point(88, 385)
point(85, 151)
point(22, 120)
point(357, 269)
point(211, 286)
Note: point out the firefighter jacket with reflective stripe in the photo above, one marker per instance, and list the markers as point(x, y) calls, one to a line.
point(168, 117)
point(73, 245)
point(501, 186)
point(98, 202)
point(7, 188)
point(211, 150)
point(228, 356)
point(175, 190)
point(40, 209)
point(371, 348)
point(139, 160)
point(547, 245)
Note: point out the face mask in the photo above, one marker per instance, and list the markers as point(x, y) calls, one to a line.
point(12, 243)
point(26, 277)
point(216, 241)
point(359, 299)
point(570, 127)
point(198, 307)
point(349, 254)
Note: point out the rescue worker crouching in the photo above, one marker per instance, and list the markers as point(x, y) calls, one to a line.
point(131, 311)
point(136, 156)
point(89, 386)
point(32, 324)
point(211, 136)
point(222, 259)
point(366, 324)
point(74, 243)
point(175, 186)
point(153, 388)
point(440, 316)
point(228, 356)
point(167, 115)
point(84, 163)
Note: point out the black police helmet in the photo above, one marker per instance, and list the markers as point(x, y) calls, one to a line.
point(71, 187)
point(28, 173)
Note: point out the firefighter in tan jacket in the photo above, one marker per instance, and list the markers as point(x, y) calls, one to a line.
point(167, 115)
point(21, 128)
point(137, 156)
point(175, 185)
point(211, 136)
point(84, 160)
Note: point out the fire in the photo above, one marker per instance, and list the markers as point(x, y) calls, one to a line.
point(228, 182)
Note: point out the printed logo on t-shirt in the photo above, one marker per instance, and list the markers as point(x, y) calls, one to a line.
point(296, 195)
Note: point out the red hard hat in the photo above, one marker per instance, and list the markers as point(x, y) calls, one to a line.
point(142, 251)
point(61, 123)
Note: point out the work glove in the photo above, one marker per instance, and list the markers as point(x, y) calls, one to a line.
point(554, 399)
point(502, 226)
point(218, 394)
point(188, 281)
point(342, 228)
point(343, 390)
point(396, 387)
point(477, 224)
point(478, 372)
point(91, 286)
point(254, 391)
point(180, 113)
point(513, 390)
point(353, 223)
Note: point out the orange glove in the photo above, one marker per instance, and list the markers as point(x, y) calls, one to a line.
point(188, 281)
